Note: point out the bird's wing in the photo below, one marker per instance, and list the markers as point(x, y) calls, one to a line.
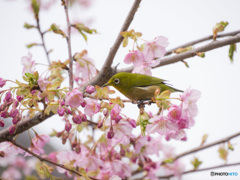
point(143, 80)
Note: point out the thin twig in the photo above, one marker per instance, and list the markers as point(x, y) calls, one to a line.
point(68, 38)
point(207, 145)
point(47, 160)
point(43, 41)
point(203, 169)
point(209, 37)
point(106, 71)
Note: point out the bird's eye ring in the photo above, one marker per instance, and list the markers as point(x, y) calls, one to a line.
point(116, 81)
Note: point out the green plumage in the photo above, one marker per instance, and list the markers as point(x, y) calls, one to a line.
point(138, 86)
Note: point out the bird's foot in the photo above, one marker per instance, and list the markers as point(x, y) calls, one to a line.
point(140, 104)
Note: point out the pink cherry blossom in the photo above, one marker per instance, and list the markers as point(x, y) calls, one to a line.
point(91, 163)
point(85, 69)
point(11, 173)
point(92, 107)
point(178, 135)
point(40, 140)
point(74, 98)
point(2, 82)
point(189, 99)
point(122, 132)
point(135, 57)
point(10, 149)
point(28, 64)
point(174, 113)
point(161, 125)
point(115, 113)
point(155, 48)
point(146, 67)
point(42, 82)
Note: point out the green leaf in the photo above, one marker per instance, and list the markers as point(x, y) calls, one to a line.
point(231, 51)
point(196, 163)
point(52, 107)
point(31, 45)
point(56, 30)
point(35, 7)
point(143, 121)
point(28, 26)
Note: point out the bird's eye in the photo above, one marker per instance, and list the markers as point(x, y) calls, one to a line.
point(116, 81)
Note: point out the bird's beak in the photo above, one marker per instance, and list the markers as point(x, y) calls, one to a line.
point(107, 84)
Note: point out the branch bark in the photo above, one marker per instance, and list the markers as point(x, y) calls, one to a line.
point(47, 160)
point(207, 146)
point(107, 71)
point(203, 169)
point(68, 38)
point(23, 126)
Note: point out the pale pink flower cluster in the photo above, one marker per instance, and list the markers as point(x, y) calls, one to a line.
point(84, 70)
point(150, 57)
point(178, 118)
point(38, 143)
point(28, 64)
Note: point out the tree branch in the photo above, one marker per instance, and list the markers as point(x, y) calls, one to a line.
point(47, 160)
point(179, 57)
point(207, 146)
point(210, 37)
point(107, 71)
point(68, 38)
point(43, 41)
point(203, 169)
point(23, 126)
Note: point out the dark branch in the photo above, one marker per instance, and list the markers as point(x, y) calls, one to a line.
point(203, 169)
point(23, 126)
point(208, 145)
point(47, 160)
point(107, 71)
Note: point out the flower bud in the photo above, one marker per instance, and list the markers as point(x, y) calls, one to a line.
point(100, 124)
point(12, 129)
point(67, 110)
point(77, 119)
point(62, 103)
point(1, 123)
point(13, 112)
point(8, 97)
point(84, 103)
point(68, 126)
point(2, 82)
point(132, 122)
point(2, 154)
point(60, 111)
point(20, 98)
point(84, 117)
point(110, 134)
point(16, 119)
point(90, 89)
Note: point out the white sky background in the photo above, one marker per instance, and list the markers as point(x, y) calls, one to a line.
point(180, 22)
